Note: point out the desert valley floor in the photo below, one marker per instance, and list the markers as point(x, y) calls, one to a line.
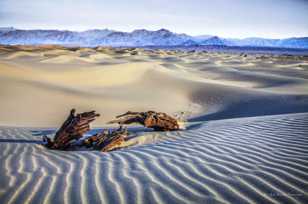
point(244, 119)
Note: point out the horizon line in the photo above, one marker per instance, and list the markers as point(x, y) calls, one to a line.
point(150, 30)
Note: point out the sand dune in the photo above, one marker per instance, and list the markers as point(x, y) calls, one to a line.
point(47, 81)
point(245, 139)
point(260, 159)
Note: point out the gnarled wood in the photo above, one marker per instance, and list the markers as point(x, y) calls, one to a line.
point(110, 140)
point(151, 119)
point(72, 129)
point(70, 134)
point(106, 140)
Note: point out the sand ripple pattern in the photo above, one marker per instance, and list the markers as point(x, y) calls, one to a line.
point(247, 160)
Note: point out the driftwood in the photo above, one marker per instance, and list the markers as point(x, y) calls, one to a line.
point(110, 140)
point(106, 140)
point(72, 129)
point(150, 119)
point(70, 134)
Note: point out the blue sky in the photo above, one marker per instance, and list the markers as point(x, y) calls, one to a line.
point(226, 18)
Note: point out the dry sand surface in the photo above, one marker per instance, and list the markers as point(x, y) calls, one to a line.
point(245, 139)
point(39, 85)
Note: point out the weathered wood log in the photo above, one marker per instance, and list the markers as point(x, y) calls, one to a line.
point(106, 140)
point(72, 129)
point(110, 140)
point(70, 134)
point(150, 119)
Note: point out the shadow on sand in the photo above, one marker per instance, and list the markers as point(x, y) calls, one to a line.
point(134, 130)
point(20, 141)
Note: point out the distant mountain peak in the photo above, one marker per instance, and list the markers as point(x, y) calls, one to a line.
point(140, 31)
point(6, 29)
point(163, 30)
point(136, 38)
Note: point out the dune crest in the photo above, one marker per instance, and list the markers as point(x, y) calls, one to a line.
point(54, 79)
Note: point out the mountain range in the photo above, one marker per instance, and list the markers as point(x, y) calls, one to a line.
point(136, 38)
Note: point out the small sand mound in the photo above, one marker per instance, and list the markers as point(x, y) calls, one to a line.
point(22, 55)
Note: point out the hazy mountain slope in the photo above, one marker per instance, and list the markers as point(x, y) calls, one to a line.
point(142, 37)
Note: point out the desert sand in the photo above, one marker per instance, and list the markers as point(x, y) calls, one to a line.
point(244, 120)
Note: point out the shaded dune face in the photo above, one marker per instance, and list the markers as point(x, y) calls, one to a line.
point(46, 82)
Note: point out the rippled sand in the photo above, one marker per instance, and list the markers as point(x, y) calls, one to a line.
point(259, 159)
point(245, 139)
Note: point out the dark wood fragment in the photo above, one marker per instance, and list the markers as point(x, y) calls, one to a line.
point(110, 140)
point(72, 129)
point(150, 119)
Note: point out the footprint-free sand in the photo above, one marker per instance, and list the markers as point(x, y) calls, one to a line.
point(244, 119)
